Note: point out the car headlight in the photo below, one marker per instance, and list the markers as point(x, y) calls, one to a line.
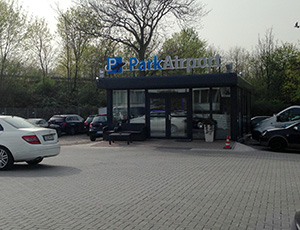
point(264, 133)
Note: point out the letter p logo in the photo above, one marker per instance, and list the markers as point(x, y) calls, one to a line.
point(115, 65)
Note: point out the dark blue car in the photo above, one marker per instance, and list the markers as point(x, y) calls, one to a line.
point(69, 123)
point(96, 126)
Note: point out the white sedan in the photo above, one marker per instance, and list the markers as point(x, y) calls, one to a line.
point(22, 141)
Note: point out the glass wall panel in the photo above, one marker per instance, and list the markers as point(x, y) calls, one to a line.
point(120, 106)
point(218, 99)
point(246, 111)
point(240, 114)
point(158, 117)
point(168, 112)
point(201, 110)
point(137, 106)
point(222, 114)
point(178, 116)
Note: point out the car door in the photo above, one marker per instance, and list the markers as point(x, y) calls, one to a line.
point(1, 129)
point(294, 136)
point(287, 118)
point(71, 123)
point(80, 123)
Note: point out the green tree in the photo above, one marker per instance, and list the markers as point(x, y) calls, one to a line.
point(270, 75)
point(264, 61)
point(212, 51)
point(240, 58)
point(39, 42)
point(95, 56)
point(74, 43)
point(13, 32)
point(291, 86)
point(185, 44)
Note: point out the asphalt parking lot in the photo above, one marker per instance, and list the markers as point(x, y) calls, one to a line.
point(156, 184)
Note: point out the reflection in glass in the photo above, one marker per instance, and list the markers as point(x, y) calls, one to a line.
point(158, 117)
point(120, 106)
point(178, 117)
point(137, 106)
point(219, 100)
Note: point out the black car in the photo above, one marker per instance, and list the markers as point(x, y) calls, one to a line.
point(45, 124)
point(87, 123)
point(255, 120)
point(278, 139)
point(69, 123)
point(96, 126)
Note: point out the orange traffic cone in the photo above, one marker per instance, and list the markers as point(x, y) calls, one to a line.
point(227, 144)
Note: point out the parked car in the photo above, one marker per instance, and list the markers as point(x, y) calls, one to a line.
point(45, 124)
point(96, 126)
point(283, 119)
point(22, 141)
point(87, 123)
point(255, 120)
point(69, 123)
point(279, 139)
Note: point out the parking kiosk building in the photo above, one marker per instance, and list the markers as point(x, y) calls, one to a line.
point(175, 106)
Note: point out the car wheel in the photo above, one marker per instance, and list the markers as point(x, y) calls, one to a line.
point(277, 144)
point(35, 161)
point(92, 138)
point(174, 129)
point(72, 131)
point(6, 159)
point(58, 132)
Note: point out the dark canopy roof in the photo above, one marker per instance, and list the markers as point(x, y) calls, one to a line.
point(165, 82)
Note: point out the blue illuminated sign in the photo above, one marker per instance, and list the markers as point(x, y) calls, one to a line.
point(115, 64)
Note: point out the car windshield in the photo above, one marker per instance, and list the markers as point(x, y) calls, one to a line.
point(100, 119)
point(18, 122)
point(89, 119)
point(56, 119)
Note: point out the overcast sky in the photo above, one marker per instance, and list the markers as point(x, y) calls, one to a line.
point(230, 23)
point(46, 9)
point(240, 22)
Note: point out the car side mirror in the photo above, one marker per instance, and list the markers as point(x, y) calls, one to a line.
point(278, 119)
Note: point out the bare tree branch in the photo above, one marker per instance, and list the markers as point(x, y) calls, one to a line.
point(134, 22)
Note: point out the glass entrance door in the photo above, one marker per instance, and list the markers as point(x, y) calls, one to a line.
point(168, 115)
point(158, 117)
point(178, 116)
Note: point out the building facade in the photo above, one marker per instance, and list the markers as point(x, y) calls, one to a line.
point(175, 106)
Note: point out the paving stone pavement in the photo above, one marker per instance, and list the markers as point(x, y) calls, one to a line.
point(153, 185)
